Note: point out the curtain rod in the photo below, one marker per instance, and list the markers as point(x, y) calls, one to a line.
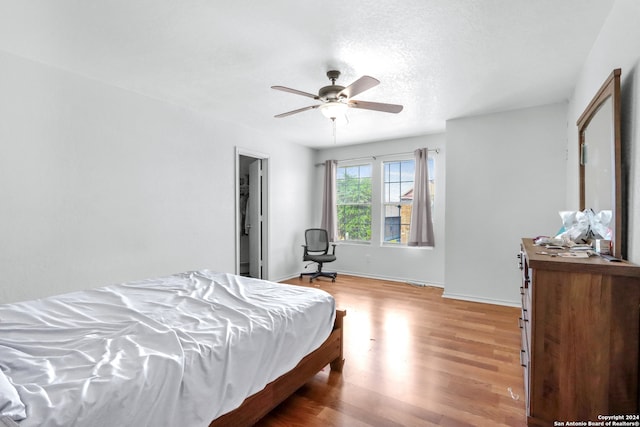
point(434, 150)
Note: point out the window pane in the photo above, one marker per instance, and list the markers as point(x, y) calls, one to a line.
point(391, 211)
point(406, 191)
point(364, 190)
point(398, 180)
point(407, 170)
point(391, 232)
point(352, 171)
point(394, 172)
point(392, 229)
point(397, 220)
point(354, 222)
point(431, 164)
point(404, 233)
point(394, 192)
point(340, 188)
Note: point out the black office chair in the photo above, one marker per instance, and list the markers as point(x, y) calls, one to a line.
point(316, 250)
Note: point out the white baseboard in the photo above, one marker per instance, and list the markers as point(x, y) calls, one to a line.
point(409, 281)
point(282, 279)
point(412, 282)
point(473, 298)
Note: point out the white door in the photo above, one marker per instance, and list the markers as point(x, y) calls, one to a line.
point(254, 219)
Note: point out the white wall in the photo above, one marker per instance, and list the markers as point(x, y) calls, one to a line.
point(617, 46)
point(505, 180)
point(100, 185)
point(422, 265)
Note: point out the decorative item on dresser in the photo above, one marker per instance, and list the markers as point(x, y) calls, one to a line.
point(580, 325)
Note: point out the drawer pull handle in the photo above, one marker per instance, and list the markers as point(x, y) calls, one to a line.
point(520, 323)
point(522, 353)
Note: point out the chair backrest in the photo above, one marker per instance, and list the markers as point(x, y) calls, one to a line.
point(317, 240)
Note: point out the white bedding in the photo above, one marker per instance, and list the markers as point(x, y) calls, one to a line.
point(175, 351)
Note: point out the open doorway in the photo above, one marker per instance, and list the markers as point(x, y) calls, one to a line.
point(251, 214)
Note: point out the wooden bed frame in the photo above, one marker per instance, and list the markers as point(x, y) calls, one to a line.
point(260, 404)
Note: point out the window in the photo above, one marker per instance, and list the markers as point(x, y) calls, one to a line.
point(353, 185)
point(397, 198)
point(358, 188)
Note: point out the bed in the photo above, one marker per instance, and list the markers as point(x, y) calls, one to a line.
point(193, 349)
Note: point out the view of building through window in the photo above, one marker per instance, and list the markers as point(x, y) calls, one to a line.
point(397, 198)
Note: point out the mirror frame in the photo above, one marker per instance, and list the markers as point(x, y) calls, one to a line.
point(609, 89)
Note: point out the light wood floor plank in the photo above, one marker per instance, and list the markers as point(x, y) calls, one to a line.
point(413, 358)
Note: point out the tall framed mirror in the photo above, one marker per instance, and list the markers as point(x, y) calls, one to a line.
point(600, 157)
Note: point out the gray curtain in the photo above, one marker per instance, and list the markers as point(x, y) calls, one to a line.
point(421, 230)
point(329, 210)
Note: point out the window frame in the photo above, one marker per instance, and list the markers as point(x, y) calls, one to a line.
point(370, 203)
point(384, 204)
point(398, 159)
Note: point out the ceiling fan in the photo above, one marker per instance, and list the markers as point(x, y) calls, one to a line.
point(335, 99)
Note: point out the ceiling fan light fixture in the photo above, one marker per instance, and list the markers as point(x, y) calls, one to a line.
point(333, 109)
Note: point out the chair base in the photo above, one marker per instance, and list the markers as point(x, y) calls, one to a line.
point(320, 273)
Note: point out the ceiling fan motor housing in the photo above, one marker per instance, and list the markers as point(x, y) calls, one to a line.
point(330, 93)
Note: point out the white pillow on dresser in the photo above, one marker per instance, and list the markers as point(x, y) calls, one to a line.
point(10, 404)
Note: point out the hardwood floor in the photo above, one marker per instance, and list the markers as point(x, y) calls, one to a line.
point(413, 358)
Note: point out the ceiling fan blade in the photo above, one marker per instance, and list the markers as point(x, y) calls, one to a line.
point(377, 106)
point(359, 86)
point(295, 91)
point(299, 110)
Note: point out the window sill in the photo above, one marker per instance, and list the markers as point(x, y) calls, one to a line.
point(398, 246)
point(352, 242)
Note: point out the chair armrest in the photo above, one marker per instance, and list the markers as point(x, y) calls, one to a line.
point(333, 250)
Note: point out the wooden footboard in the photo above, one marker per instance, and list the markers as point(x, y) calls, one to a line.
point(260, 404)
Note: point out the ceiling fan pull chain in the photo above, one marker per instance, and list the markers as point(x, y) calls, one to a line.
point(333, 123)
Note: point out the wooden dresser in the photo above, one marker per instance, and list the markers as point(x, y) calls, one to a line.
point(580, 336)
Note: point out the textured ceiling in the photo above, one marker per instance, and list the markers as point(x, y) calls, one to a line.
point(440, 59)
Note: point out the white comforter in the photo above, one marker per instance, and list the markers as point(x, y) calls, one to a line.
point(174, 351)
